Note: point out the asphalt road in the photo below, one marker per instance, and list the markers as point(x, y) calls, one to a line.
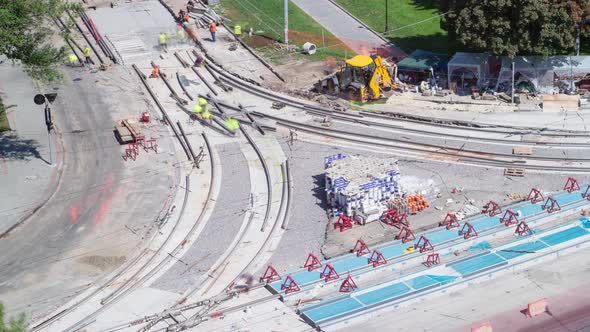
point(102, 208)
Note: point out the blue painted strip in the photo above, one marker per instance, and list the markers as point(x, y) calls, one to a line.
point(382, 294)
point(467, 258)
point(564, 236)
point(521, 249)
point(332, 309)
point(478, 263)
point(422, 281)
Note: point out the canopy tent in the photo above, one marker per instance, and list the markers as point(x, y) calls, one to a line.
point(474, 65)
point(542, 73)
point(419, 66)
point(420, 60)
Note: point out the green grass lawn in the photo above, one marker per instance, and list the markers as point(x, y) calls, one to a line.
point(265, 17)
point(427, 35)
point(3, 118)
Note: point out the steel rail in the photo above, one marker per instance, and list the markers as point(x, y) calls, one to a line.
point(421, 147)
point(269, 95)
point(161, 108)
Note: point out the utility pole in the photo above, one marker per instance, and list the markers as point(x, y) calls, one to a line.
point(512, 81)
point(286, 14)
point(386, 17)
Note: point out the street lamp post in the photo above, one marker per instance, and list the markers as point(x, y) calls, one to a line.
point(286, 15)
point(47, 99)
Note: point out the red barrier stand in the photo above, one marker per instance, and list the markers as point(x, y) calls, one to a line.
point(392, 218)
point(361, 248)
point(492, 208)
point(377, 259)
point(424, 244)
point(270, 275)
point(348, 285)
point(344, 222)
point(450, 221)
point(387, 216)
point(571, 185)
point(586, 194)
point(509, 218)
point(130, 153)
point(329, 273)
point(522, 229)
point(535, 196)
point(405, 234)
point(290, 286)
point(468, 231)
point(432, 259)
point(551, 205)
point(150, 144)
point(312, 263)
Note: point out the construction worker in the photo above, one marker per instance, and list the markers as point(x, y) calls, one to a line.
point(197, 109)
point(181, 35)
point(203, 103)
point(87, 53)
point(207, 115)
point(155, 72)
point(198, 60)
point(72, 59)
point(213, 30)
point(163, 41)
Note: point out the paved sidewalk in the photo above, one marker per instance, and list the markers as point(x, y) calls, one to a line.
point(352, 32)
point(26, 179)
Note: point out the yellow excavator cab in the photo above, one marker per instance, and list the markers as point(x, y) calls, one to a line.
point(359, 61)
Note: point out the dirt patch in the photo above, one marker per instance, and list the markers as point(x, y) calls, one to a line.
point(258, 41)
point(103, 262)
point(302, 74)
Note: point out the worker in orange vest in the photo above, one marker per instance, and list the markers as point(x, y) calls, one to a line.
point(155, 72)
point(213, 30)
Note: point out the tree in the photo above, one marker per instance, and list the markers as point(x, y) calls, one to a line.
point(15, 325)
point(511, 27)
point(25, 35)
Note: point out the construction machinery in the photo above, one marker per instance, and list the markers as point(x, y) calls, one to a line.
point(361, 78)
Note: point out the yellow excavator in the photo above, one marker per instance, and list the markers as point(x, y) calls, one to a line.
point(362, 78)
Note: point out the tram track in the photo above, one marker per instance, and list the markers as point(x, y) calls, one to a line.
point(361, 118)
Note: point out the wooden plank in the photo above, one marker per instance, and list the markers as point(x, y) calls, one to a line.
point(514, 171)
point(523, 151)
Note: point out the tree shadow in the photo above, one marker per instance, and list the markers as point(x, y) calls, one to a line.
point(437, 43)
point(13, 147)
point(426, 4)
point(319, 192)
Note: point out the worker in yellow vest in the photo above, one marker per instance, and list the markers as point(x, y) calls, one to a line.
point(72, 59)
point(181, 35)
point(87, 53)
point(163, 41)
point(207, 115)
point(203, 103)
